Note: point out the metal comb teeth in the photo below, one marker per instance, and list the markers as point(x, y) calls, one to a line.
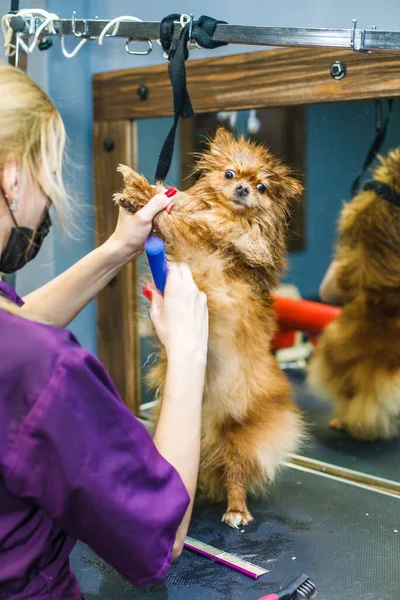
point(306, 590)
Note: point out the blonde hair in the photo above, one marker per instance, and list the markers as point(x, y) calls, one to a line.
point(32, 130)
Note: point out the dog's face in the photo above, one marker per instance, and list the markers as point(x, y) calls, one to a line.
point(244, 176)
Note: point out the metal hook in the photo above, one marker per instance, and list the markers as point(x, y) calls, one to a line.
point(353, 46)
point(191, 27)
point(186, 19)
point(138, 53)
point(76, 33)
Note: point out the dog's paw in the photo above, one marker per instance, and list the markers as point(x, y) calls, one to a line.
point(128, 205)
point(336, 424)
point(137, 191)
point(235, 518)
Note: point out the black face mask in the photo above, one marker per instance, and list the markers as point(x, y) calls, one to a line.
point(23, 245)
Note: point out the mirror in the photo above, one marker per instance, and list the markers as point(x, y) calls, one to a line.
point(325, 145)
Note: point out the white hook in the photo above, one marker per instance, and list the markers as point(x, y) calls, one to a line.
point(184, 20)
point(116, 24)
point(26, 13)
point(75, 50)
point(76, 33)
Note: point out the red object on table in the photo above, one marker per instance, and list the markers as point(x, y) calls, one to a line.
point(284, 339)
point(300, 315)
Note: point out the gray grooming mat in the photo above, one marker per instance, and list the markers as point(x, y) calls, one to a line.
point(344, 537)
point(381, 459)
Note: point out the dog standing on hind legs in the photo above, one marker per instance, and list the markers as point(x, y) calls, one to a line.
point(357, 361)
point(229, 227)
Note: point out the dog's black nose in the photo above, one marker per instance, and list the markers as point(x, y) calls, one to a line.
point(242, 190)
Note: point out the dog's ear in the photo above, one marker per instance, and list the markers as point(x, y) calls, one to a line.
point(292, 189)
point(284, 184)
point(218, 153)
point(285, 188)
point(222, 142)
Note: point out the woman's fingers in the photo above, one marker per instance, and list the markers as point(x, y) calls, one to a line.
point(155, 205)
point(186, 273)
point(157, 302)
point(181, 322)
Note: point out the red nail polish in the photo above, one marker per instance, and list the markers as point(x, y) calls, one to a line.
point(171, 192)
point(170, 208)
point(147, 293)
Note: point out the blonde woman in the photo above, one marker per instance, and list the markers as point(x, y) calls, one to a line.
point(74, 463)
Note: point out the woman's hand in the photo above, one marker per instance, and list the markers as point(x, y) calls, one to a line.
point(132, 230)
point(60, 300)
point(329, 291)
point(181, 316)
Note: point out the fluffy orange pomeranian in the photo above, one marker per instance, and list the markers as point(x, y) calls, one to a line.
point(357, 360)
point(229, 227)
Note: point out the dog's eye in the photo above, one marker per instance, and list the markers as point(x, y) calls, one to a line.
point(229, 174)
point(261, 188)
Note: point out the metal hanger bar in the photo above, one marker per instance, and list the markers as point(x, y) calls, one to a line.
point(358, 39)
point(297, 36)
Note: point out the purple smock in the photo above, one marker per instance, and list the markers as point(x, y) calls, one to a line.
point(74, 464)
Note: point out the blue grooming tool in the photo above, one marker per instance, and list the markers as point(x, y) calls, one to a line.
point(155, 251)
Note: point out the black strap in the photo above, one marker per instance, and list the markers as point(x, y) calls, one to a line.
point(380, 136)
point(202, 33)
point(385, 191)
point(14, 6)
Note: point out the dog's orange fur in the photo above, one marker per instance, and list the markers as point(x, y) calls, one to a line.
point(357, 360)
point(236, 253)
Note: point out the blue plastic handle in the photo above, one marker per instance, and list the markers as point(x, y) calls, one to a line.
point(155, 251)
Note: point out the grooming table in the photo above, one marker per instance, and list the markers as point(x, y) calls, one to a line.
point(344, 537)
point(381, 459)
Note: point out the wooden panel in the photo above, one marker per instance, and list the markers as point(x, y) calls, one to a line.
point(117, 305)
point(295, 156)
point(287, 76)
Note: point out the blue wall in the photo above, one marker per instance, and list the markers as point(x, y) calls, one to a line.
point(69, 85)
point(338, 135)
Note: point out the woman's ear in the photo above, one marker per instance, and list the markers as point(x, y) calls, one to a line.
point(11, 178)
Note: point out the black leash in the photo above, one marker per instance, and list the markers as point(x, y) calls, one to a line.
point(384, 191)
point(382, 127)
point(201, 32)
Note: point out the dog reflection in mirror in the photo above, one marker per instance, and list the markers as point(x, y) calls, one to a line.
point(357, 361)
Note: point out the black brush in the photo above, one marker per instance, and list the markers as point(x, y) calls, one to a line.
point(301, 588)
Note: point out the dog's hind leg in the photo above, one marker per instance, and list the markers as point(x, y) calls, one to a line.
point(370, 417)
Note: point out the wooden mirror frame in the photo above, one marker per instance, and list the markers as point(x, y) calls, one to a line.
point(283, 77)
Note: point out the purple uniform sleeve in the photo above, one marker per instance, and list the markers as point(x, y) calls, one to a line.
point(9, 292)
point(92, 467)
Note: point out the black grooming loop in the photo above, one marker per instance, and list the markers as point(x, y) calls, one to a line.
point(382, 127)
point(201, 32)
point(384, 191)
